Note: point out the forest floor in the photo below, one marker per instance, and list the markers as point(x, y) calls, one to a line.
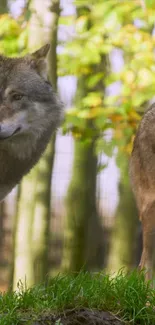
point(86, 298)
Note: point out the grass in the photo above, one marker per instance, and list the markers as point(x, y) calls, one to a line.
point(128, 296)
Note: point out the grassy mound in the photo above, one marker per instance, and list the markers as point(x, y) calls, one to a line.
point(82, 299)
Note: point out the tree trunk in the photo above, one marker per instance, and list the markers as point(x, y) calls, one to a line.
point(123, 250)
point(3, 7)
point(41, 224)
point(3, 216)
point(23, 267)
point(32, 227)
point(81, 233)
point(45, 31)
point(82, 222)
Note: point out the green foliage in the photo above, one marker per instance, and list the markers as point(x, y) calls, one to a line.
point(128, 296)
point(100, 28)
point(13, 35)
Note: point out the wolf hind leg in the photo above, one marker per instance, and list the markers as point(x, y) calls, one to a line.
point(148, 225)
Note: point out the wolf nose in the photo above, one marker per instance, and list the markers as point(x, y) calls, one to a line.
point(1, 129)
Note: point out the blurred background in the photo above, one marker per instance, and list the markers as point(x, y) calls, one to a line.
point(76, 209)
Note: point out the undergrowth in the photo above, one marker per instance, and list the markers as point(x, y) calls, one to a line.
point(128, 296)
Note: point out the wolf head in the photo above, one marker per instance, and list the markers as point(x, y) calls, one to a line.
point(28, 104)
point(30, 112)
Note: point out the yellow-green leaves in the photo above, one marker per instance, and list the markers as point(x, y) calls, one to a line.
point(102, 27)
point(13, 35)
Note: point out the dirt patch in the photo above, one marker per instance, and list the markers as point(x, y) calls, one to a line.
point(79, 317)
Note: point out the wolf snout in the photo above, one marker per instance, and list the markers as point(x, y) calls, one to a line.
point(8, 132)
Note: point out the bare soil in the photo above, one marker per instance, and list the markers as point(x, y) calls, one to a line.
point(79, 317)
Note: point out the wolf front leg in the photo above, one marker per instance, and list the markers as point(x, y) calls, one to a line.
point(148, 225)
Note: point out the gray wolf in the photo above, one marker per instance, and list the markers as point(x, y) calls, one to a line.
point(142, 174)
point(30, 112)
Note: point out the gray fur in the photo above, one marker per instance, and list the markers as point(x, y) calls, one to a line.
point(142, 174)
point(30, 112)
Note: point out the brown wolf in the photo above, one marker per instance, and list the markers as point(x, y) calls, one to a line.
point(142, 174)
point(29, 113)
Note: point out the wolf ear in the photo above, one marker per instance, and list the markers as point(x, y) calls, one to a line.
point(38, 60)
point(42, 52)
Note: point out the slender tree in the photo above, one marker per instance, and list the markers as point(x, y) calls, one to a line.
point(81, 233)
point(23, 269)
point(44, 168)
point(82, 226)
point(122, 252)
point(3, 6)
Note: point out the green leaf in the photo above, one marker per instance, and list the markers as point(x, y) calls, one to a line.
point(93, 80)
point(149, 4)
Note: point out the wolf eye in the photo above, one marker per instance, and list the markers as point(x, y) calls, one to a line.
point(17, 97)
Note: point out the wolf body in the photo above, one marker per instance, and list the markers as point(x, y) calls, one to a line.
point(142, 174)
